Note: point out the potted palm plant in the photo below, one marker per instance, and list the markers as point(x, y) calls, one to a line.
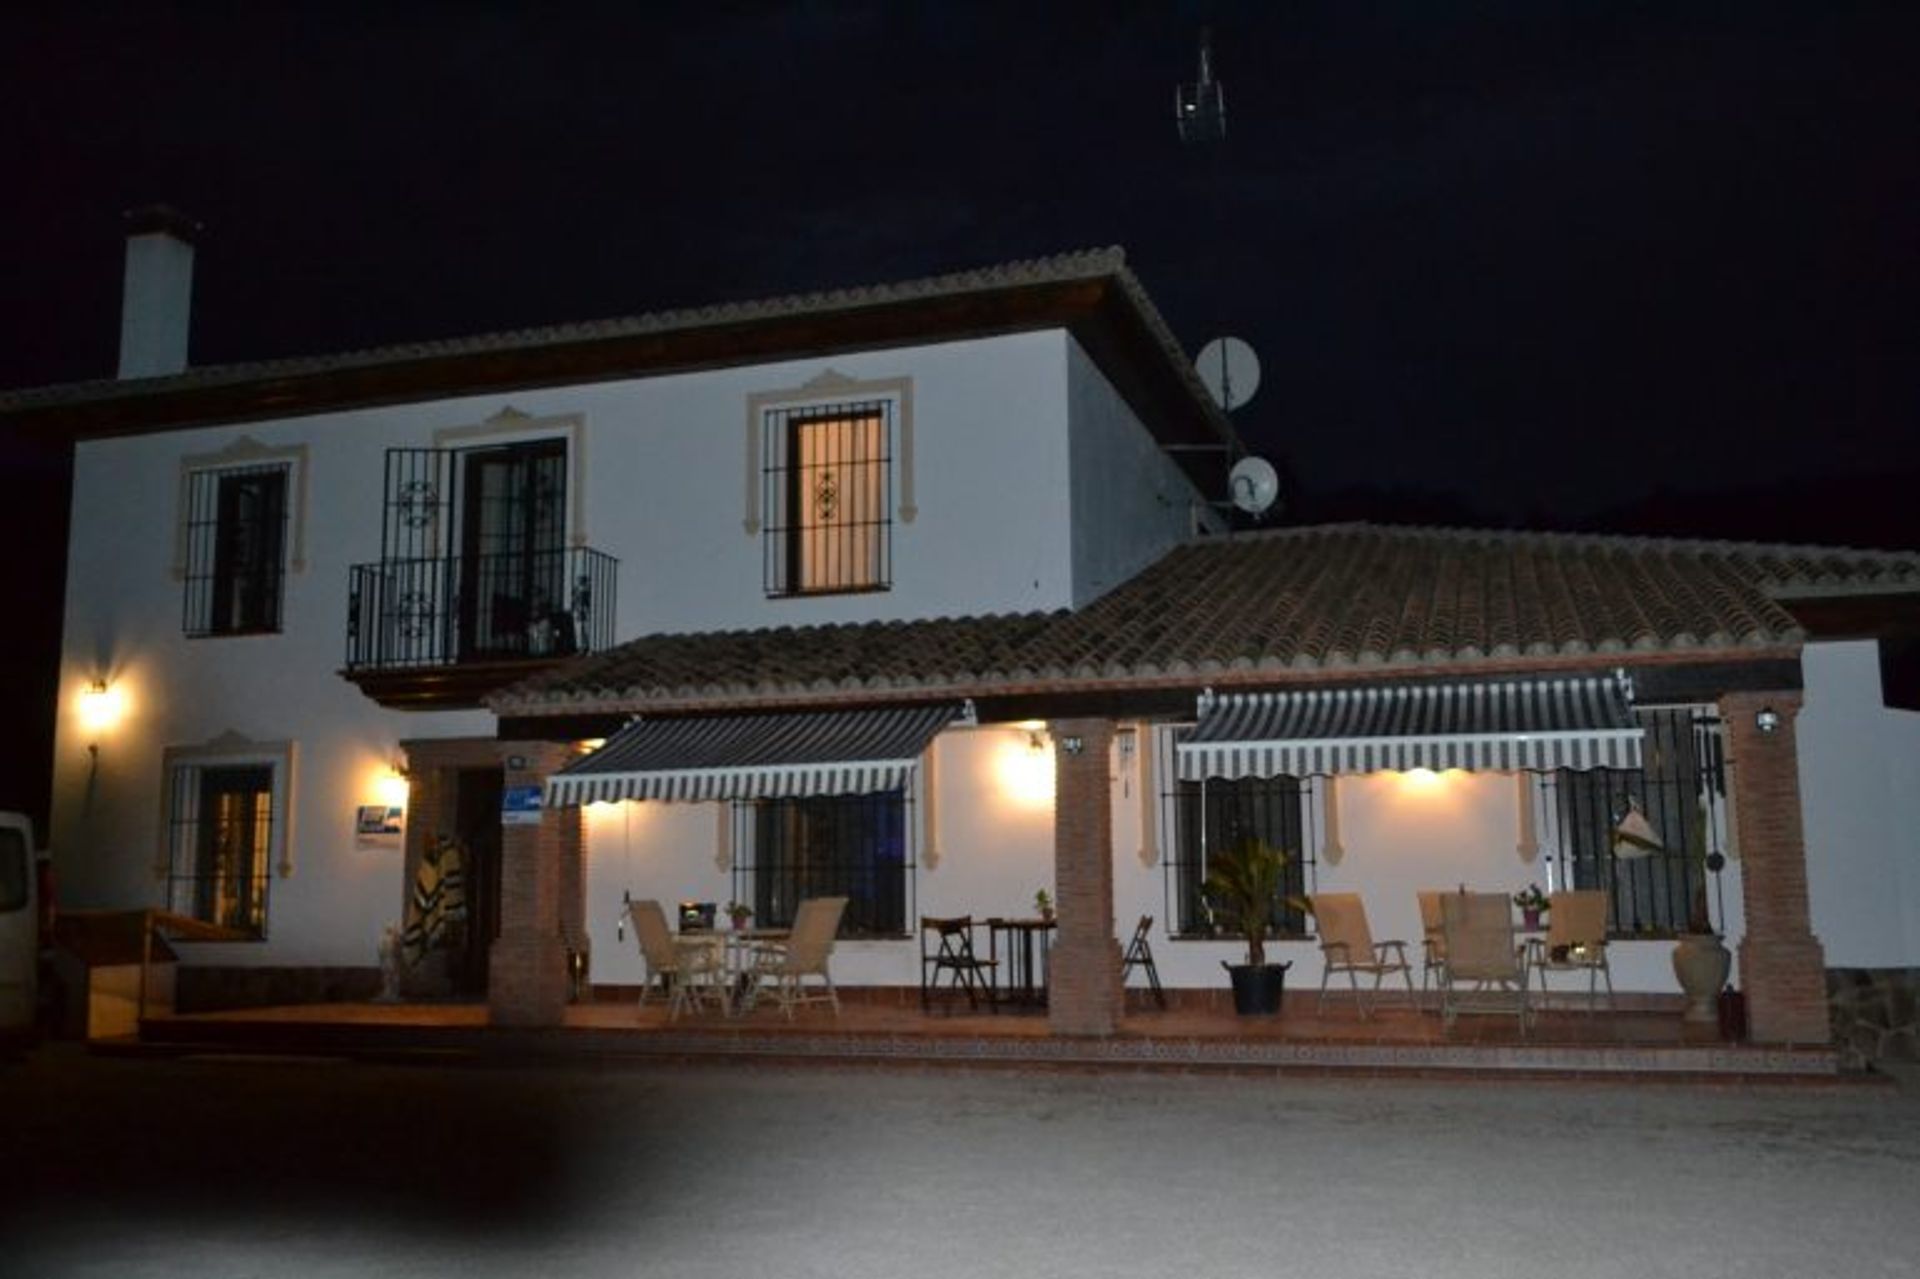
point(1244, 884)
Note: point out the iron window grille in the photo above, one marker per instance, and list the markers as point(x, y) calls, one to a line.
point(855, 846)
point(220, 839)
point(236, 537)
point(827, 491)
point(1682, 788)
point(1206, 818)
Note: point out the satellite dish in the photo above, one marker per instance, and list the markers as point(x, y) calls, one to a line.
point(1229, 370)
point(1254, 484)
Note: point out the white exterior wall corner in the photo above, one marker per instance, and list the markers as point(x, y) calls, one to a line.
point(1130, 500)
point(1860, 804)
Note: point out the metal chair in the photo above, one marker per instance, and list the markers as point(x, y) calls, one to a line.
point(783, 966)
point(1486, 972)
point(1347, 946)
point(1576, 941)
point(1140, 955)
point(946, 946)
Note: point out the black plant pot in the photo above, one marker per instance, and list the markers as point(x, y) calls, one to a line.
point(1257, 988)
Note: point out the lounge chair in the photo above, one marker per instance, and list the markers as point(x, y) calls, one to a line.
point(1347, 946)
point(1485, 971)
point(782, 967)
point(691, 973)
point(1576, 941)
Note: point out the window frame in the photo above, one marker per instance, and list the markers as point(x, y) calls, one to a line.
point(203, 545)
point(774, 901)
point(182, 831)
point(1184, 867)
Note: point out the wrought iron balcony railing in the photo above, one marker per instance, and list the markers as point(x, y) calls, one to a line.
point(410, 614)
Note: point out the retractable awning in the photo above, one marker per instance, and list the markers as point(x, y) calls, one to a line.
point(755, 756)
point(1500, 725)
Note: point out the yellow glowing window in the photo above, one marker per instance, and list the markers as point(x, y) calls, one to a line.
point(829, 498)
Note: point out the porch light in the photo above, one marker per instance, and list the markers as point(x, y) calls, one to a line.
point(392, 786)
point(101, 707)
point(1766, 719)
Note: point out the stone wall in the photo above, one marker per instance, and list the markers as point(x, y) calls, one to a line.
point(1874, 1014)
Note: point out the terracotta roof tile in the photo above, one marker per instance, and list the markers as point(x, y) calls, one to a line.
point(1281, 605)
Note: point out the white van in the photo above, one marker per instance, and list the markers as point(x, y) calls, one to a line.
point(19, 923)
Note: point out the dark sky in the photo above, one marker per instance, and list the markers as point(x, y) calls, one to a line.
point(1504, 262)
point(1644, 267)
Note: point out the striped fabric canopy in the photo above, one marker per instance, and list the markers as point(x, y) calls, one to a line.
point(754, 756)
point(1501, 725)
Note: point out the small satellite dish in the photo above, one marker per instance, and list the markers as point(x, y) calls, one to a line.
point(1229, 370)
point(1254, 484)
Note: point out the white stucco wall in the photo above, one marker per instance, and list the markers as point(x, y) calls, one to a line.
point(1131, 501)
point(661, 484)
point(1860, 804)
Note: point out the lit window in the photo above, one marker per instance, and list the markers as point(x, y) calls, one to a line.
point(829, 502)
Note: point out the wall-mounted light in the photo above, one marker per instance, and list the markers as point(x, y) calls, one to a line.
point(1766, 719)
point(393, 786)
point(1073, 744)
point(101, 706)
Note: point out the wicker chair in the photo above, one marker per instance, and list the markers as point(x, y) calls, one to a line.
point(1485, 971)
point(692, 974)
point(1347, 946)
point(1576, 941)
point(782, 967)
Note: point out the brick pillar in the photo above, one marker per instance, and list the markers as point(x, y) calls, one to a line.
point(1083, 968)
point(527, 968)
point(1782, 964)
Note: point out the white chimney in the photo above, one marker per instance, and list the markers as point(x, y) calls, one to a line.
point(158, 298)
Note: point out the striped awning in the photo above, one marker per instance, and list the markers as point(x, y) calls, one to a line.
point(1500, 725)
point(755, 756)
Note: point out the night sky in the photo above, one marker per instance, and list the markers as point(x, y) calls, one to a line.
point(1640, 267)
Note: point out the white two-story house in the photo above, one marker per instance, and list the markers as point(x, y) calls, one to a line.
point(919, 594)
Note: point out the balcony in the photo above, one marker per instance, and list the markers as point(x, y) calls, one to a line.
point(440, 633)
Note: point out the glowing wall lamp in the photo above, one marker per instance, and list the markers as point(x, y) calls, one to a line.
point(392, 786)
point(101, 706)
point(1767, 720)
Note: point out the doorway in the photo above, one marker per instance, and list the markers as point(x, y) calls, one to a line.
point(477, 795)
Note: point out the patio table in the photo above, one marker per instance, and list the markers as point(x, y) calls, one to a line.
point(1026, 958)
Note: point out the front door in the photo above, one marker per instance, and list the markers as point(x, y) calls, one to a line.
point(476, 806)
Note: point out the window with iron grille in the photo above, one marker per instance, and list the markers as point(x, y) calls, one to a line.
point(221, 833)
point(827, 495)
point(1681, 788)
point(852, 846)
point(1209, 817)
point(236, 536)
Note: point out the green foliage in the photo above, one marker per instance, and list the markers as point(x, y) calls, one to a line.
point(1244, 884)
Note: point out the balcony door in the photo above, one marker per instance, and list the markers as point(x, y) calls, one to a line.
point(513, 544)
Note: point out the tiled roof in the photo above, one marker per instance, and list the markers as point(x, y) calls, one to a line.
point(1290, 605)
point(1087, 264)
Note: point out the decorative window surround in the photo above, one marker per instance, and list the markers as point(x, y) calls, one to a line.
point(511, 426)
point(830, 387)
point(245, 453)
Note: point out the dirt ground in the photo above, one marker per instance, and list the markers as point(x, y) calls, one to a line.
point(296, 1167)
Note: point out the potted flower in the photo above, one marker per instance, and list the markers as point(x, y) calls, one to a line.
point(1043, 905)
point(1532, 903)
point(1244, 884)
point(739, 913)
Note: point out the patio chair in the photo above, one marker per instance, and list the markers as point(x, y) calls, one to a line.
point(1433, 941)
point(1485, 971)
point(783, 966)
point(1576, 941)
point(946, 946)
point(690, 974)
point(1347, 946)
point(1140, 955)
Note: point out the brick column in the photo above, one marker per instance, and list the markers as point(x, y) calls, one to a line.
point(527, 968)
point(1782, 964)
point(1083, 968)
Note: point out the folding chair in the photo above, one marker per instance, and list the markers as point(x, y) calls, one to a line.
point(946, 946)
point(1140, 955)
point(1347, 946)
